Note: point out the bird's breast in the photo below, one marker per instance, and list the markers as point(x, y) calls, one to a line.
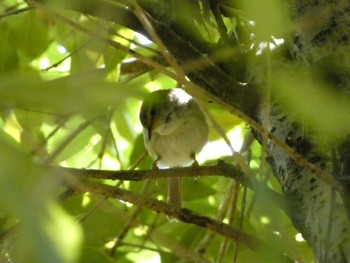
point(176, 148)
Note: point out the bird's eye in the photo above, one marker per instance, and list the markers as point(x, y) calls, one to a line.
point(153, 112)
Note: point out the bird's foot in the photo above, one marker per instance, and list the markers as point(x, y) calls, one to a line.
point(195, 166)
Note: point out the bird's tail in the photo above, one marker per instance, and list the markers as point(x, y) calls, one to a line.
point(175, 191)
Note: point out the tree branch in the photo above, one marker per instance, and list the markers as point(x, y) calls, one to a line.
point(220, 169)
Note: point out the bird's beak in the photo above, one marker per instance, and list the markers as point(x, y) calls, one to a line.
point(149, 131)
point(152, 126)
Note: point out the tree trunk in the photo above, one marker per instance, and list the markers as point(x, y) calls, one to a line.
point(315, 208)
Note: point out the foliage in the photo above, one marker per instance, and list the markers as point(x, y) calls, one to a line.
point(71, 98)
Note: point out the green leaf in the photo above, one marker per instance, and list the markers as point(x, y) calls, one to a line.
point(124, 125)
point(77, 93)
point(30, 33)
point(224, 119)
point(112, 58)
point(81, 61)
point(79, 143)
point(9, 59)
point(103, 224)
point(137, 151)
point(314, 104)
point(92, 255)
point(196, 189)
point(271, 17)
point(28, 192)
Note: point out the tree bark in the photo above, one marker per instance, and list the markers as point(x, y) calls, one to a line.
point(321, 44)
point(316, 209)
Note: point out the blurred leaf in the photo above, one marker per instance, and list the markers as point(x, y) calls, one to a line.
point(104, 224)
point(9, 59)
point(124, 125)
point(45, 225)
point(271, 17)
point(78, 144)
point(191, 236)
point(30, 33)
point(316, 106)
point(78, 204)
point(87, 92)
point(167, 257)
point(137, 151)
point(92, 255)
point(224, 119)
point(112, 56)
point(80, 62)
point(30, 124)
point(195, 189)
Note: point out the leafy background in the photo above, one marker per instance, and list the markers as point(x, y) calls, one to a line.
point(71, 99)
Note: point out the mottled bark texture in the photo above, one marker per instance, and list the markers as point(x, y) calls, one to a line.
point(316, 210)
point(321, 43)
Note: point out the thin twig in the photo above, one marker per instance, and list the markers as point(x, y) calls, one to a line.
point(69, 55)
point(220, 215)
point(234, 188)
point(150, 230)
point(52, 133)
point(140, 247)
point(15, 12)
point(219, 21)
point(184, 253)
point(266, 112)
point(119, 240)
point(141, 15)
point(91, 211)
point(241, 220)
point(68, 139)
point(109, 134)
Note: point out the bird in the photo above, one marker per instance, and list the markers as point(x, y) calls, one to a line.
point(175, 129)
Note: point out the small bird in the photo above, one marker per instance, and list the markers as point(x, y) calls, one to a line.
point(175, 130)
